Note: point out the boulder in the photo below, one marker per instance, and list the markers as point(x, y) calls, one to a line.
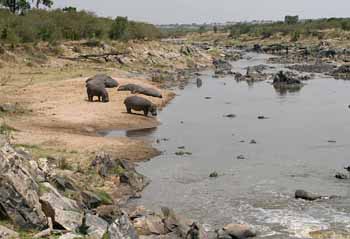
point(122, 228)
point(19, 199)
point(342, 176)
point(6, 233)
point(8, 108)
point(108, 213)
point(301, 194)
point(97, 227)
point(150, 225)
point(64, 211)
point(235, 231)
point(90, 199)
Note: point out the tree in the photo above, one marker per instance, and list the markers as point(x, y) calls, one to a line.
point(20, 6)
point(215, 29)
point(119, 28)
point(291, 19)
point(201, 29)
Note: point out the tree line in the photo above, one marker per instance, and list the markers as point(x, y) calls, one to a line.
point(22, 21)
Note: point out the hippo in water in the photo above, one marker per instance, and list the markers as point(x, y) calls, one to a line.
point(103, 79)
point(140, 104)
point(98, 90)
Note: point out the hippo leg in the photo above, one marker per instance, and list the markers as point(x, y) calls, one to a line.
point(90, 98)
point(145, 111)
point(128, 110)
point(99, 98)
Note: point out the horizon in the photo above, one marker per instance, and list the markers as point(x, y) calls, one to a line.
point(200, 12)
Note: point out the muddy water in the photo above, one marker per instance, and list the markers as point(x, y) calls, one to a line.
point(292, 152)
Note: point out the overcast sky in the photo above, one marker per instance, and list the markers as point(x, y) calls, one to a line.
point(200, 11)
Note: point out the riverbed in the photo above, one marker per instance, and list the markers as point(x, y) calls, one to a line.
point(301, 144)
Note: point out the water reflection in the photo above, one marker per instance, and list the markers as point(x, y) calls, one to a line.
point(284, 90)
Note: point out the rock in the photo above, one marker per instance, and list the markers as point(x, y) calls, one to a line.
point(262, 117)
point(347, 168)
point(122, 228)
point(329, 234)
point(63, 183)
point(19, 197)
point(339, 175)
point(301, 194)
point(62, 210)
point(214, 175)
point(332, 141)
point(70, 236)
point(233, 231)
point(241, 156)
point(8, 108)
point(6, 233)
point(230, 116)
point(43, 164)
point(150, 225)
point(108, 213)
point(90, 199)
point(97, 227)
point(253, 141)
point(136, 180)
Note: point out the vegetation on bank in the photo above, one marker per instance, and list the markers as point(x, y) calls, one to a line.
point(69, 24)
point(291, 27)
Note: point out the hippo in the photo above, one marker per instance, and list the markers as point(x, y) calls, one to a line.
point(140, 104)
point(103, 79)
point(150, 92)
point(98, 90)
point(199, 82)
point(133, 88)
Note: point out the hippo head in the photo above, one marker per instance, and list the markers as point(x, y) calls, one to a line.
point(153, 110)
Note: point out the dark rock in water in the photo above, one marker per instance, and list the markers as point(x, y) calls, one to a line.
point(207, 97)
point(241, 156)
point(253, 141)
point(262, 117)
point(137, 181)
point(234, 231)
point(342, 176)
point(301, 194)
point(199, 82)
point(347, 168)
point(285, 79)
point(19, 193)
point(332, 141)
point(230, 116)
point(214, 175)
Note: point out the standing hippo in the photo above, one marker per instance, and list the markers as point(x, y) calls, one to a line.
point(140, 104)
point(98, 90)
point(103, 79)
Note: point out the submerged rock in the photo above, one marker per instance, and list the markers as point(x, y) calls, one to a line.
point(341, 176)
point(214, 175)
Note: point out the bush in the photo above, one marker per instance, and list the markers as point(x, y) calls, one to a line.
point(68, 24)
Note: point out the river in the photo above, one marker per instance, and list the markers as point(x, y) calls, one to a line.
point(292, 151)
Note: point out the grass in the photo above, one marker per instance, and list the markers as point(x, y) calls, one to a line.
point(6, 129)
point(105, 197)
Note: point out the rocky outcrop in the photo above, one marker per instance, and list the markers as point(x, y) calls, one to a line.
point(96, 226)
point(64, 211)
point(19, 200)
point(301, 194)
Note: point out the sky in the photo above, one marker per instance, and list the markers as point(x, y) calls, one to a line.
point(208, 11)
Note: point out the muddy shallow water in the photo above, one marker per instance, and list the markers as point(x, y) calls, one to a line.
point(292, 152)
